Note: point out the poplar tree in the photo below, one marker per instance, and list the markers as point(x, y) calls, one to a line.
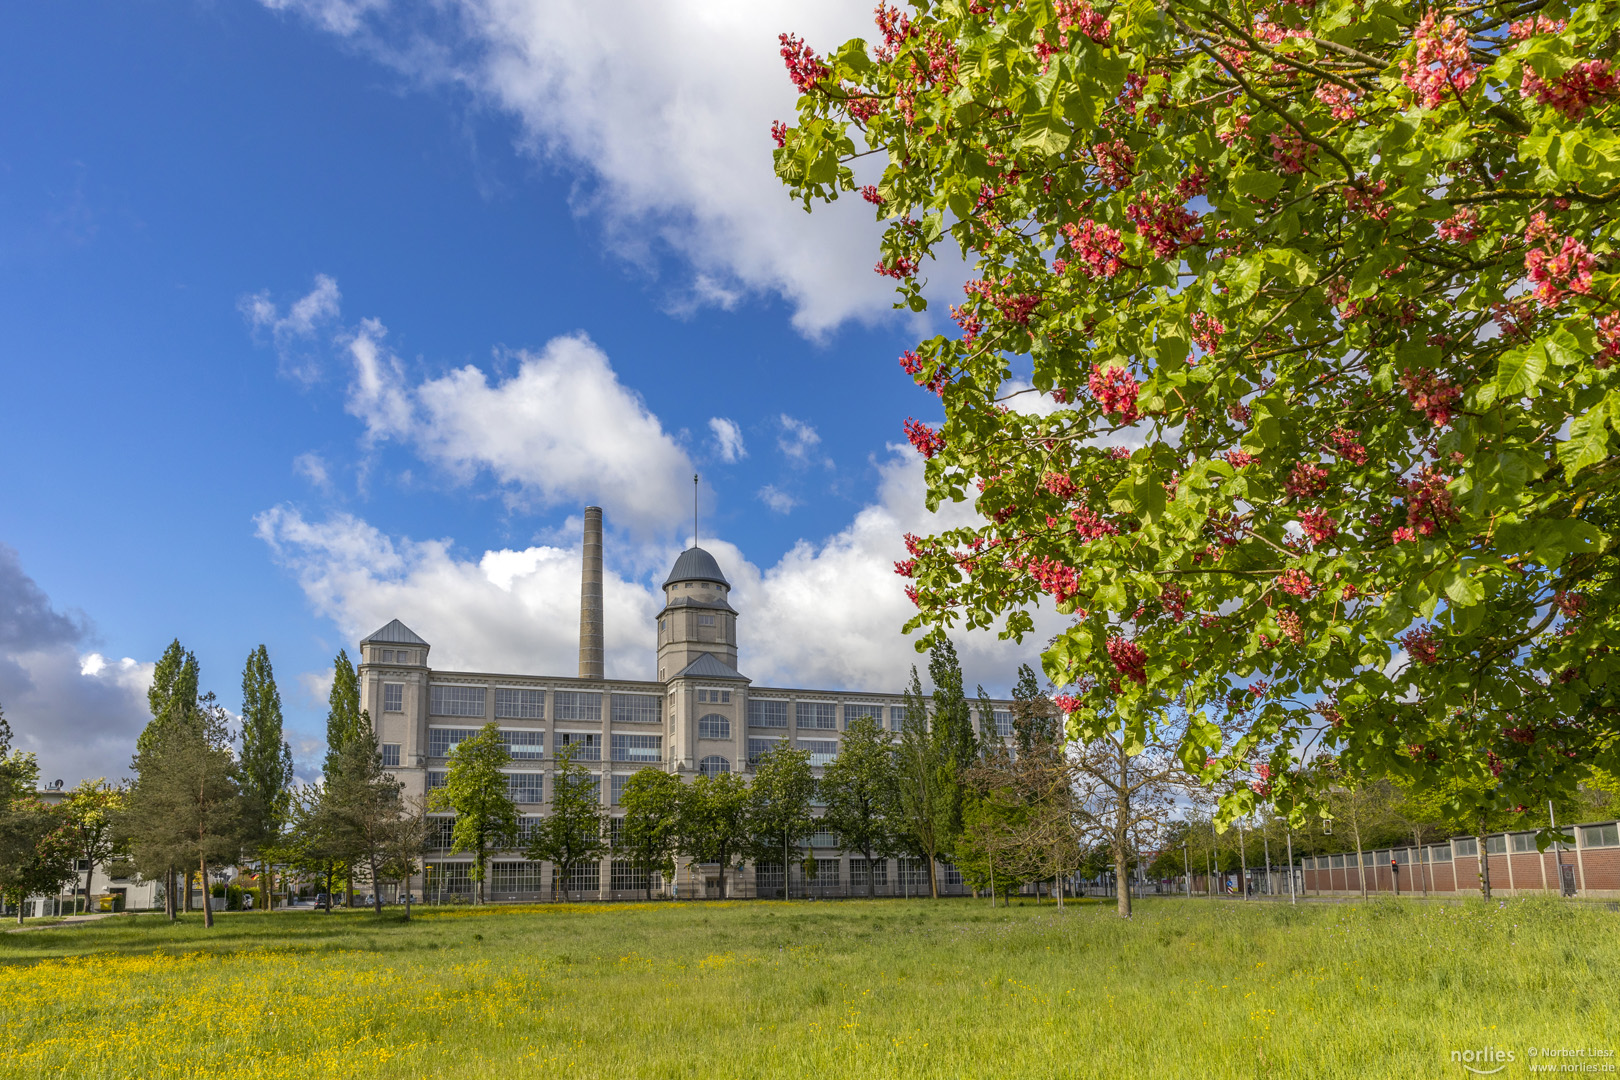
point(953, 735)
point(265, 767)
point(476, 788)
point(920, 788)
point(344, 717)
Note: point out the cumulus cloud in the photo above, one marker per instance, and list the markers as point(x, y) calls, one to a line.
point(777, 499)
point(77, 710)
point(665, 108)
point(728, 440)
point(518, 610)
point(562, 429)
point(312, 467)
point(510, 610)
point(797, 439)
point(296, 332)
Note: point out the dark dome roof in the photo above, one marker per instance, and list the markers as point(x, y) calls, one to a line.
point(695, 564)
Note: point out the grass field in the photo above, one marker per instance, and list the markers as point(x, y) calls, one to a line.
point(847, 989)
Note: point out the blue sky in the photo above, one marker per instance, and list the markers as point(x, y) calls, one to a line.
point(547, 234)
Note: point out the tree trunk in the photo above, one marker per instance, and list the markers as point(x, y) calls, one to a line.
point(185, 894)
point(1484, 868)
point(1122, 818)
point(168, 896)
point(992, 879)
point(376, 888)
point(1361, 862)
point(264, 884)
point(208, 907)
point(933, 883)
point(871, 878)
point(330, 875)
point(1423, 877)
point(89, 869)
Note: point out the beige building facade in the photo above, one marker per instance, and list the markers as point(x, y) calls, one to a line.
point(701, 715)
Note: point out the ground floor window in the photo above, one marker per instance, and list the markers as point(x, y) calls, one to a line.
point(877, 870)
point(913, 874)
point(583, 876)
point(448, 879)
point(514, 877)
point(767, 876)
point(826, 873)
point(627, 875)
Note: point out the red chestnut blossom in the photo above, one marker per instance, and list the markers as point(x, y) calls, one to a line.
point(914, 544)
point(779, 132)
point(1296, 582)
point(1340, 102)
point(927, 441)
point(1430, 394)
point(1308, 479)
point(1525, 29)
point(1429, 508)
point(1461, 227)
point(1367, 198)
point(1060, 581)
point(1573, 92)
point(1442, 65)
point(902, 267)
point(1290, 151)
point(908, 568)
point(803, 66)
point(1292, 627)
point(1238, 459)
point(1239, 412)
point(1115, 390)
point(1165, 225)
point(1422, 645)
point(1089, 525)
point(1060, 485)
point(1066, 703)
point(1570, 603)
point(1097, 247)
point(1192, 185)
point(1129, 658)
point(1115, 162)
point(1494, 763)
point(1318, 525)
point(1207, 331)
point(1119, 453)
point(1078, 15)
point(1608, 332)
point(1346, 445)
point(869, 193)
point(1516, 319)
point(1238, 130)
point(1402, 535)
point(1556, 273)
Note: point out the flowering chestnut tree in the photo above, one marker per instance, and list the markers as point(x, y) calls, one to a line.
point(1286, 365)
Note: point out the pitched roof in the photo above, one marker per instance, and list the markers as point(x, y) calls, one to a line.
point(707, 666)
point(395, 633)
point(695, 564)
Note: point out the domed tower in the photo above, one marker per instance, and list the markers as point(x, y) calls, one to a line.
point(705, 697)
point(697, 616)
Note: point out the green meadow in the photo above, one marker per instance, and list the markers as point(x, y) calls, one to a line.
point(891, 988)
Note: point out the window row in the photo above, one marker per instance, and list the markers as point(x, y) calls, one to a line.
point(517, 704)
point(823, 715)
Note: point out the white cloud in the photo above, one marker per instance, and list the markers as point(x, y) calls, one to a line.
point(78, 711)
point(312, 467)
point(295, 333)
point(777, 499)
point(666, 105)
point(728, 439)
point(562, 429)
point(797, 439)
point(827, 614)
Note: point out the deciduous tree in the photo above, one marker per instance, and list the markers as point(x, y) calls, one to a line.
point(859, 787)
point(714, 820)
point(476, 788)
point(572, 832)
point(779, 800)
point(648, 834)
point(1288, 352)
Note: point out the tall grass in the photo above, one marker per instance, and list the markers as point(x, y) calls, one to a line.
point(850, 989)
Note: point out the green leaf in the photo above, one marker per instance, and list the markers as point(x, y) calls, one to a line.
point(1588, 442)
point(1258, 185)
point(1520, 370)
point(1557, 539)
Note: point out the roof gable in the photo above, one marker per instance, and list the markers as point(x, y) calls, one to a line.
point(707, 666)
point(395, 633)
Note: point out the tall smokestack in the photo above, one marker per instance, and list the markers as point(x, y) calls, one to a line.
point(590, 598)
